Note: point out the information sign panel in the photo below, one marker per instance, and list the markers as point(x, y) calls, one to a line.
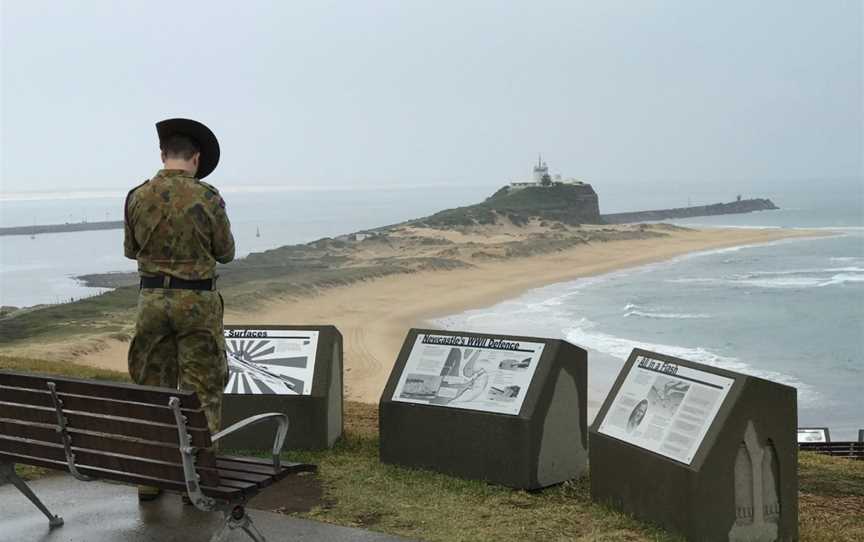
point(292, 369)
point(813, 434)
point(471, 372)
point(713, 450)
point(506, 409)
point(665, 407)
point(270, 361)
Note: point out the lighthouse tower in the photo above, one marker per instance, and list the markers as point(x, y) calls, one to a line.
point(540, 170)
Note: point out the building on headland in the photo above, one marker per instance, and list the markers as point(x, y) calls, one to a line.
point(540, 177)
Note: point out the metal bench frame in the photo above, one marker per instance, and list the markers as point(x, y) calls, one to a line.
point(233, 511)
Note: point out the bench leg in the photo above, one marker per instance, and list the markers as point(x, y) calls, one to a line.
point(237, 518)
point(7, 474)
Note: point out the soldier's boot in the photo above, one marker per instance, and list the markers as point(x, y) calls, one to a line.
point(148, 493)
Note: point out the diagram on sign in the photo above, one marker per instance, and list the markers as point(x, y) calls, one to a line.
point(468, 372)
point(270, 361)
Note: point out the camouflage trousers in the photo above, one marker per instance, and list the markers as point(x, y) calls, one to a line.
point(179, 343)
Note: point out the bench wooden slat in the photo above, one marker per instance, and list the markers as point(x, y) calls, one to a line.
point(105, 460)
point(98, 405)
point(244, 467)
point(105, 443)
point(239, 484)
point(266, 461)
point(261, 480)
point(104, 424)
point(105, 390)
point(239, 463)
point(265, 470)
point(218, 492)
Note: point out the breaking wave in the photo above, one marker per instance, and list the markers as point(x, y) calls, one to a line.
point(797, 278)
point(635, 310)
point(584, 335)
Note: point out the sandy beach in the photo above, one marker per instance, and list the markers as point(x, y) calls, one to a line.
point(374, 315)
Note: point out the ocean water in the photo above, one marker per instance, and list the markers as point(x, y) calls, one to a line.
point(43, 270)
point(789, 311)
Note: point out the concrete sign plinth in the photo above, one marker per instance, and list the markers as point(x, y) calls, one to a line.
point(296, 370)
point(505, 409)
point(702, 451)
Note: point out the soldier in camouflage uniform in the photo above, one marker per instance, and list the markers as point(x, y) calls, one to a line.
point(177, 229)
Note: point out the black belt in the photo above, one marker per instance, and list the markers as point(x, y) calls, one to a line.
point(170, 282)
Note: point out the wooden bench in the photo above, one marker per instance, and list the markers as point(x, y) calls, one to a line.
point(134, 434)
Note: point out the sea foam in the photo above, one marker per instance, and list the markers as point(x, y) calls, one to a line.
point(796, 278)
point(584, 335)
point(635, 310)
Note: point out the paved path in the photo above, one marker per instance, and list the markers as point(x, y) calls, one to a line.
point(102, 512)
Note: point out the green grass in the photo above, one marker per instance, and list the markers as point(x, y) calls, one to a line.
point(362, 492)
point(60, 368)
point(831, 498)
point(105, 313)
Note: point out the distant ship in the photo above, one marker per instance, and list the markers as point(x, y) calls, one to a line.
point(257, 232)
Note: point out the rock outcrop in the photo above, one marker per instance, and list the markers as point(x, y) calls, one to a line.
point(559, 202)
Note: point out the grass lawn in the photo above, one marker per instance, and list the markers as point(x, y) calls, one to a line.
point(359, 491)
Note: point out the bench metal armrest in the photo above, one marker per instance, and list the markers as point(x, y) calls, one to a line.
point(187, 455)
point(62, 430)
point(281, 431)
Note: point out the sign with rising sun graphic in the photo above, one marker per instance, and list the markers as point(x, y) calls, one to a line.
point(270, 361)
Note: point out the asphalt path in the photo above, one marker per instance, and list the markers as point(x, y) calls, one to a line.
point(102, 512)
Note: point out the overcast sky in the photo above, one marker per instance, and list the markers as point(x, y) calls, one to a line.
point(374, 92)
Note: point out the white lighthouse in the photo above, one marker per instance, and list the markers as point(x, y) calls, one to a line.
point(540, 177)
point(540, 170)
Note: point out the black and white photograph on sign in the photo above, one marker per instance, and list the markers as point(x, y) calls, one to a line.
point(665, 407)
point(812, 435)
point(637, 415)
point(270, 361)
point(475, 373)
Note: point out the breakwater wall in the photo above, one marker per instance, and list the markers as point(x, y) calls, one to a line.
point(735, 207)
point(62, 228)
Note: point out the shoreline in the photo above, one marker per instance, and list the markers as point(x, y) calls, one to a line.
point(374, 315)
point(391, 305)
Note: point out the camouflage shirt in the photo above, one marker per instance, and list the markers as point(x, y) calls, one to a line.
point(176, 225)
